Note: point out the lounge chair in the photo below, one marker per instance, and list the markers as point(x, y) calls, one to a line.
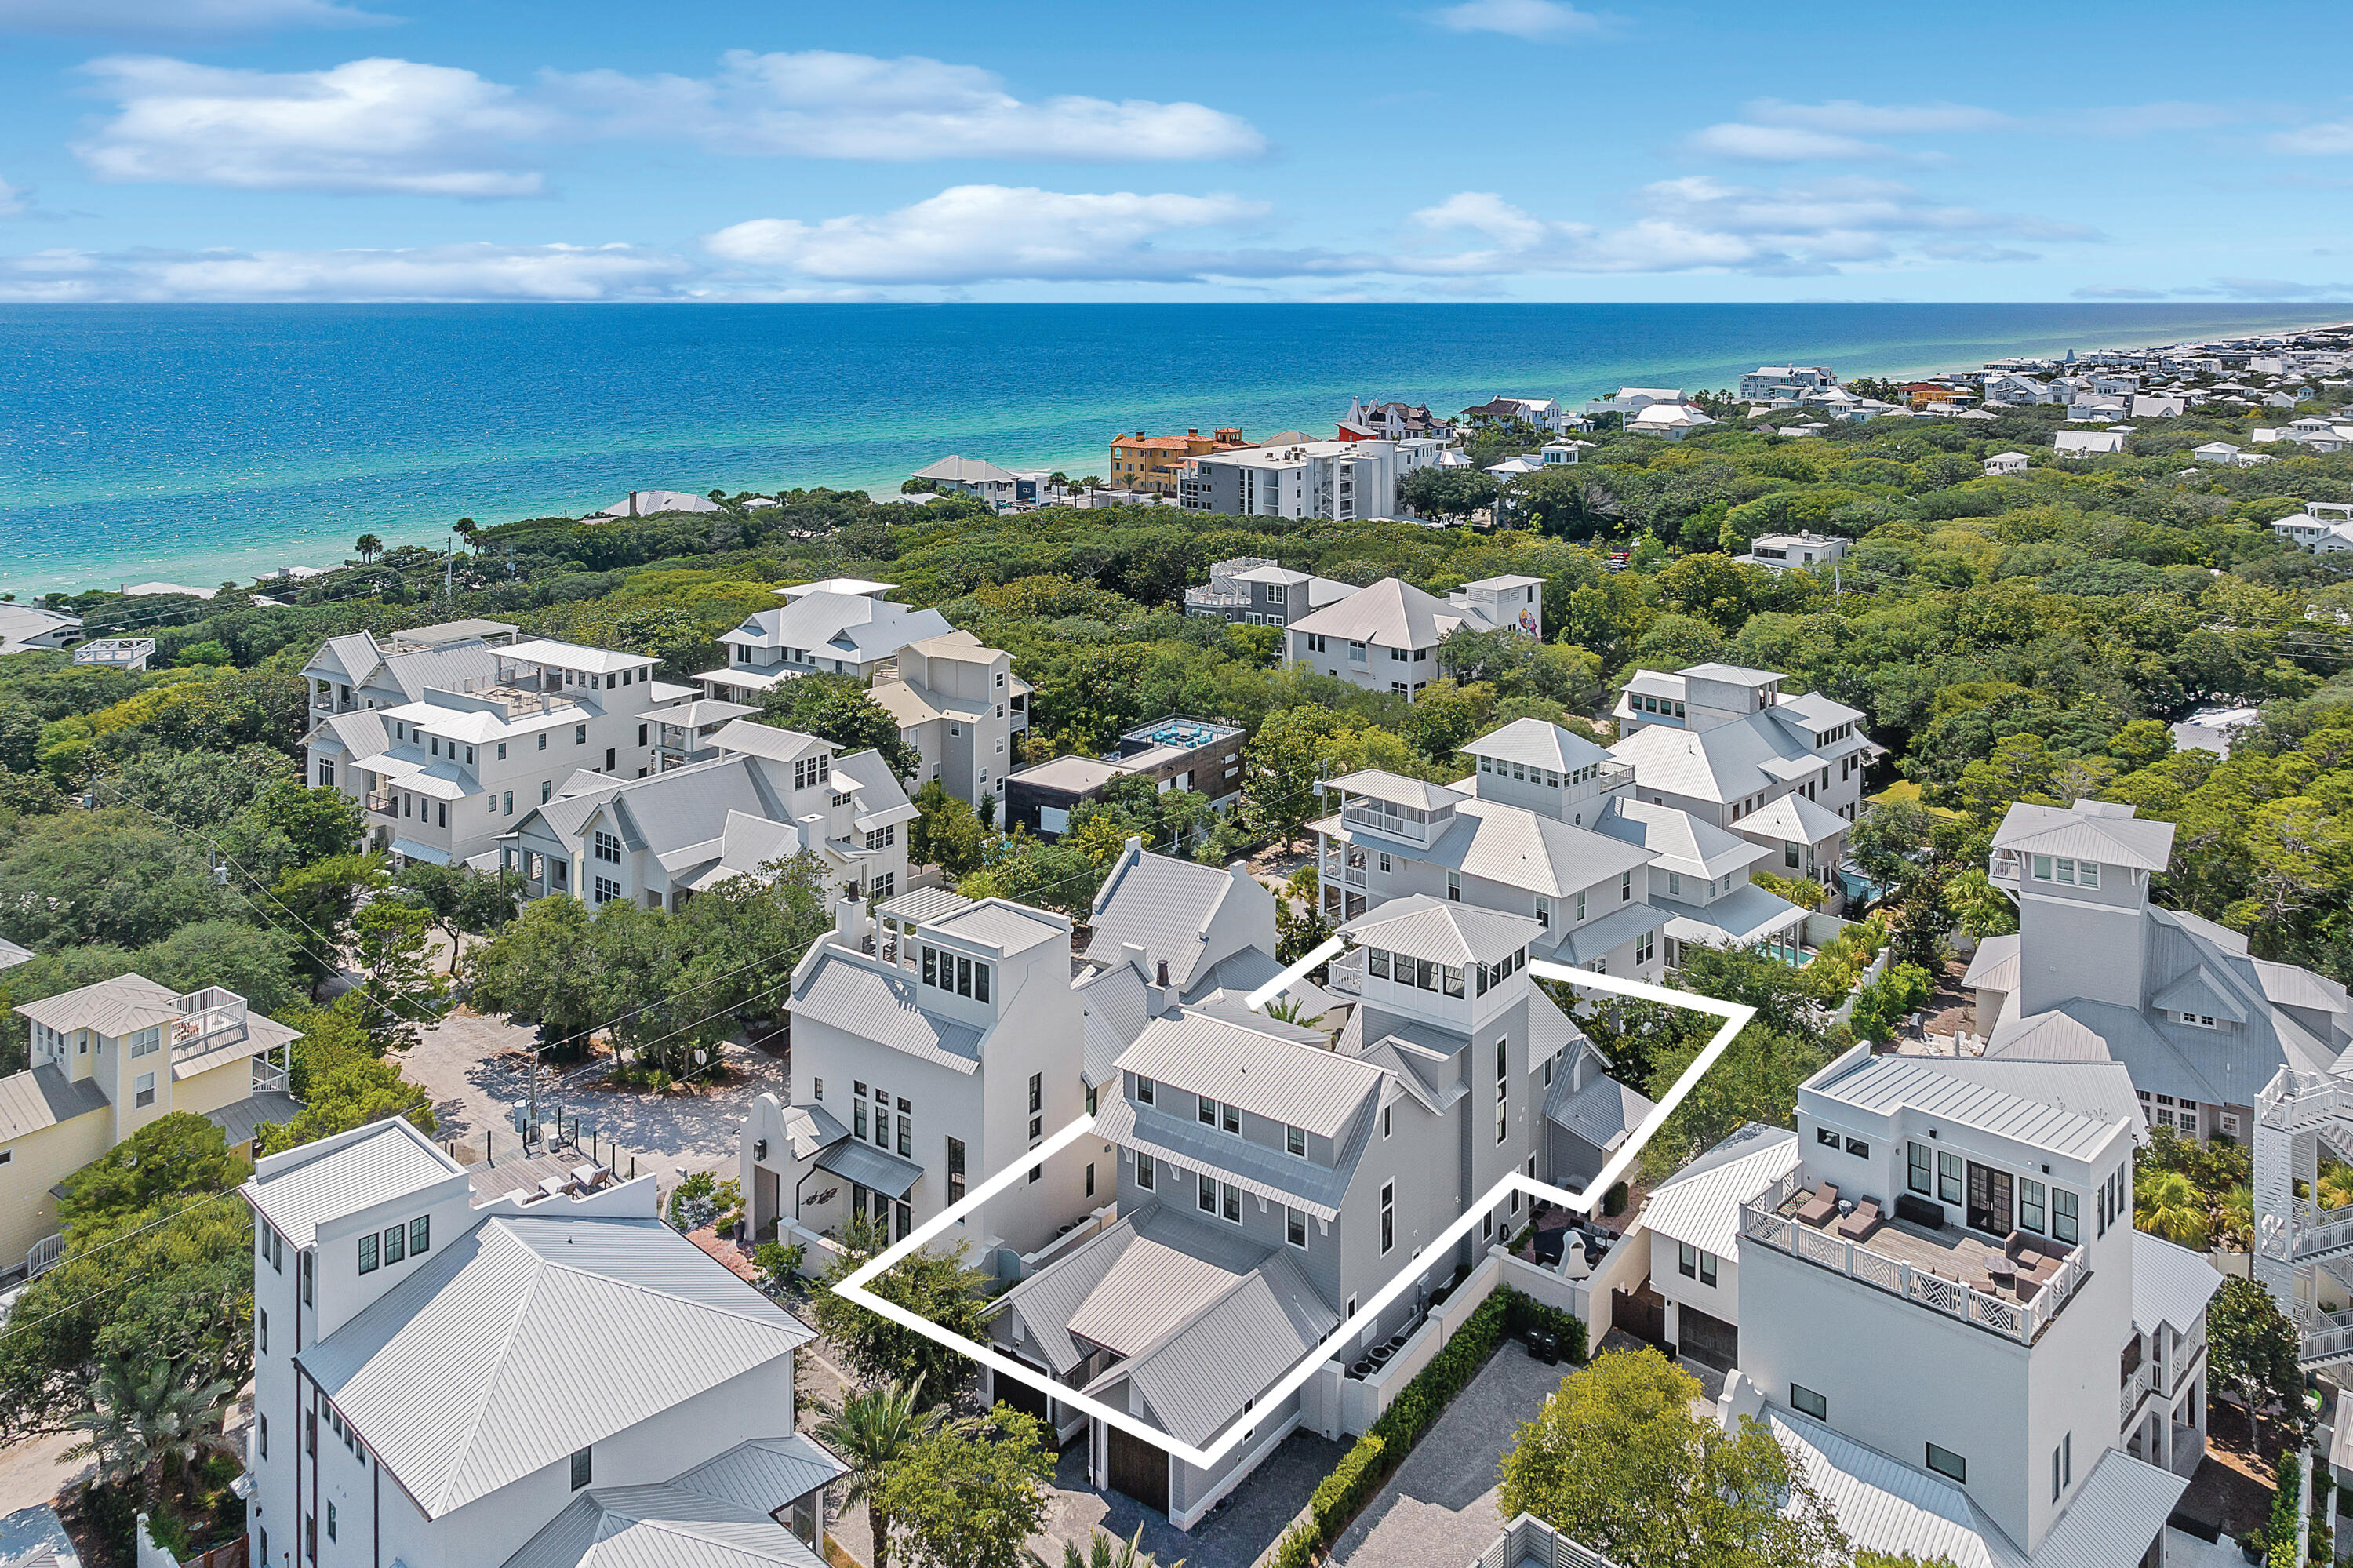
point(1818, 1209)
point(1858, 1226)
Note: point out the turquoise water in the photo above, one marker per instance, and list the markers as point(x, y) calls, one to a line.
point(199, 444)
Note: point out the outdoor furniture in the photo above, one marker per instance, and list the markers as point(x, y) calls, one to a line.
point(1920, 1210)
point(1865, 1219)
point(2002, 1271)
point(1818, 1209)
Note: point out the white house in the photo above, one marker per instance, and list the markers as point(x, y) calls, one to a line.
point(1673, 420)
point(2087, 443)
point(973, 476)
point(1785, 383)
point(2147, 406)
point(24, 626)
point(2005, 463)
point(961, 706)
point(2322, 528)
point(647, 502)
point(842, 626)
point(1385, 637)
point(2213, 729)
point(1787, 552)
point(1331, 480)
point(625, 1397)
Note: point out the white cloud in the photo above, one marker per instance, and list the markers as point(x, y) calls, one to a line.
point(972, 234)
point(822, 104)
point(1845, 117)
point(372, 125)
point(14, 203)
point(1700, 223)
point(177, 16)
point(1783, 145)
point(2331, 139)
point(1520, 18)
point(561, 272)
point(2117, 291)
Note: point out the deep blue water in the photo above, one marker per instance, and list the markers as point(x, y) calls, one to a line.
point(198, 443)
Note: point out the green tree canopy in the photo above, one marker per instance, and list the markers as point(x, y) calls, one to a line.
point(972, 1498)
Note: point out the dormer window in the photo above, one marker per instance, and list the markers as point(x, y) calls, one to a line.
point(2199, 1020)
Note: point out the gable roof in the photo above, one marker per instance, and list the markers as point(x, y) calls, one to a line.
point(44, 1096)
point(1883, 1084)
point(1537, 743)
point(847, 626)
point(1199, 1379)
point(1165, 906)
point(114, 1007)
point(1680, 841)
point(1270, 1074)
point(859, 999)
point(1393, 613)
point(1443, 931)
point(493, 1323)
point(2090, 829)
point(717, 1515)
point(297, 1190)
point(1701, 1203)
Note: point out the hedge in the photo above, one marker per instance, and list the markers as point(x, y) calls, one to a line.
point(1367, 1466)
point(2281, 1535)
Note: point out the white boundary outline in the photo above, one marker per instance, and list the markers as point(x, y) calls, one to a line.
point(1736, 1016)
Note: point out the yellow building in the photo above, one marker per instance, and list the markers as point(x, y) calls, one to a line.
point(1152, 462)
point(107, 1060)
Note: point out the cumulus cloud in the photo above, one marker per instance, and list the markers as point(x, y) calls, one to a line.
point(177, 16)
point(1519, 18)
point(1782, 145)
point(371, 125)
point(559, 272)
point(14, 203)
point(821, 104)
point(971, 234)
point(1845, 117)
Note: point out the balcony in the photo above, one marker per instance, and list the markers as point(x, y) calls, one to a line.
point(383, 804)
point(1944, 1270)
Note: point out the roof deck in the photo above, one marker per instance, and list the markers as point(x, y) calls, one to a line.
point(1943, 1268)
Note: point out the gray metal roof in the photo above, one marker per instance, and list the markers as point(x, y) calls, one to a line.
point(1392, 613)
point(1376, 784)
point(1794, 818)
point(114, 1007)
point(848, 626)
point(1536, 743)
point(1741, 918)
point(1198, 1380)
point(1887, 1506)
point(925, 903)
point(1164, 906)
point(1730, 762)
point(1115, 1281)
point(1001, 923)
point(1264, 1071)
point(1580, 945)
point(1443, 932)
point(878, 1168)
point(44, 1096)
point(1602, 1113)
point(1701, 1203)
point(1883, 1086)
point(237, 1121)
point(468, 1375)
point(717, 1515)
point(2172, 1284)
point(1994, 966)
point(1114, 1010)
point(11, 955)
point(2090, 829)
point(859, 999)
point(298, 1190)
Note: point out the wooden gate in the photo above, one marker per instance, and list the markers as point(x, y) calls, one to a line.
point(1641, 1313)
point(1139, 1470)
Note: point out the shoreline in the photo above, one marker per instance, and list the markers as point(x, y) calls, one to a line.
point(235, 554)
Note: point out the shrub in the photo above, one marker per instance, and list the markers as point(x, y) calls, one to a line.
point(1529, 1316)
point(2280, 1529)
point(1296, 1549)
point(1349, 1487)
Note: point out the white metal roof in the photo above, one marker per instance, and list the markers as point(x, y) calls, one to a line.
point(717, 1515)
point(1883, 1086)
point(2172, 1284)
point(1265, 1073)
point(1538, 744)
point(470, 1374)
point(2089, 830)
point(114, 1007)
point(1701, 1203)
point(1443, 932)
point(1886, 1505)
point(324, 1181)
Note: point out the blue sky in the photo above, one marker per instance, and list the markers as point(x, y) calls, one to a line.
point(1486, 149)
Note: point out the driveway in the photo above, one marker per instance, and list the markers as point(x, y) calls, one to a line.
point(1438, 1510)
point(476, 1066)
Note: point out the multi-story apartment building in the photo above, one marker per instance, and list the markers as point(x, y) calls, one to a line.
point(1152, 464)
point(1785, 383)
point(935, 1043)
point(108, 1059)
point(1252, 590)
point(1933, 1293)
point(1332, 479)
point(842, 626)
point(1725, 744)
point(962, 708)
point(2097, 971)
point(441, 773)
point(765, 795)
point(387, 1278)
point(1385, 637)
point(1270, 1179)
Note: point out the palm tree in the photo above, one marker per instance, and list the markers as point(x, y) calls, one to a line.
point(465, 529)
point(145, 1419)
point(1106, 1552)
point(2171, 1206)
point(871, 1431)
point(368, 546)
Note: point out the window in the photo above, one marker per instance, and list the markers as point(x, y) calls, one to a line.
point(1857, 1148)
point(1389, 1216)
point(1543, 910)
point(956, 1170)
point(330, 1522)
point(1580, 905)
point(1294, 1141)
point(1945, 1462)
point(884, 837)
point(2042, 867)
point(261, 1440)
point(261, 1330)
point(506, 803)
point(1145, 1088)
point(143, 1090)
point(1208, 1110)
point(2062, 1467)
point(583, 1467)
point(1687, 1260)
point(1708, 1268)
point(1625, 887)
point(1386, 1128)
point(1231, 1198)
point(1231, 1117)
point(1806, 1402)
point(1918, 1177)
point(420, 1235)
point(1146, 1175)
point(1294, 1227)
point(1949, 1176)
point(1455, 890)
point(1645, 946)
point(395, 1243)
point(608, 847)
point(858, 1121)
point(1825, 1135)
point(2030, 1205)
point(607, 890)
point(1376, 962)
point(367, 1253)
point(147, 1041)
point(2064, 1220)
point(1036, 1092)
point(1207, 1200)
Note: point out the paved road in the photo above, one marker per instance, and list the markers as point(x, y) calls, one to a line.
point(475, 1068)
point(1439, 1511)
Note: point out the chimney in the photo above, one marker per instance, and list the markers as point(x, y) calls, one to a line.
point(1160, 973)
point(849, 925)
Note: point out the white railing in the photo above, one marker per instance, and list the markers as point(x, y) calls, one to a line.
point(2021, 1321)
point(2325, 1338)
point(1528, 1542)
point(45, 1256)
point(2136, 1389)
point(2316, 1231)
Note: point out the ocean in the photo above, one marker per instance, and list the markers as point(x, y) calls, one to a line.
point(203, 443)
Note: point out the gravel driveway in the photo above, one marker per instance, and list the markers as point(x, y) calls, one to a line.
point(476, 1066)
